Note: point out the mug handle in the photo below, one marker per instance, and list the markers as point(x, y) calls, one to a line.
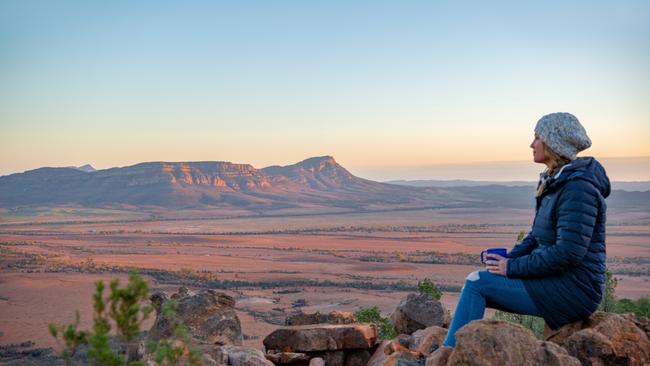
point(483, 260)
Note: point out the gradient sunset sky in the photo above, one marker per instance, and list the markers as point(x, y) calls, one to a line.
point(386, 87)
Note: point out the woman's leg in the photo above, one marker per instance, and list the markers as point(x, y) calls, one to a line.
point(483, 287)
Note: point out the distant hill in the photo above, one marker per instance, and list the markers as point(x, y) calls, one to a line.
point(513, 193)
point(623, 186)
point(313, 184)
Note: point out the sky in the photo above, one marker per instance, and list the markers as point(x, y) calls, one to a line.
point(391, 89)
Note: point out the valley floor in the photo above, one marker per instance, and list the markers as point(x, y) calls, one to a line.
point(272, 266)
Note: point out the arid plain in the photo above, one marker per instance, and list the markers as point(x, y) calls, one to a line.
point(272, 265)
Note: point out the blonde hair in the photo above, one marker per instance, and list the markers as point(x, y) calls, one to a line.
point(556, 163)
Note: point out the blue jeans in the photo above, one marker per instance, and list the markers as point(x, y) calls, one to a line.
point(482, 289)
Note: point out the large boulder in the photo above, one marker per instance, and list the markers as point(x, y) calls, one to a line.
point(494, 342)
point(321, 337)
point(605, 338)
point(208, 315)
point(419, 311)
point(334, 317)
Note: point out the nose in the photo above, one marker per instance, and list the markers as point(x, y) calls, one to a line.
point(532, 144)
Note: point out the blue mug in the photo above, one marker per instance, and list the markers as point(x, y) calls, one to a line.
point(500, 251)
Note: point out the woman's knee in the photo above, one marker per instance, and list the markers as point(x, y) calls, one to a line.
point(472, 280)
point(477, 279)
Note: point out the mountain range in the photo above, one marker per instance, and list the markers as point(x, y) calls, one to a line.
point(313, 184)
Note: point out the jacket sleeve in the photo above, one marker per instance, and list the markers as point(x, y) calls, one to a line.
point(576, 210)
point(524, 247)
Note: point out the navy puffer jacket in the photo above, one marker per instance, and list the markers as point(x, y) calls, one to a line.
point(562, 259)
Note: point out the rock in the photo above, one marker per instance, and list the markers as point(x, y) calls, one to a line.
point(333, 358)
point(286, 357)
point(550, 354)
point(357, 358)
point(379, 356)
point(316, 361)
point(218, 353)
point(495, 342)
point(388, 356)
point(207, 360)
point(418, 311)
point(322, 337)
point(334, 317)
point(439, 357)
point(208, 315)
point(641, 322)
point(561, 334)
point(590, 347)
point(424, 339)
point(241, 356)
point(605, 338)
point(399, 359)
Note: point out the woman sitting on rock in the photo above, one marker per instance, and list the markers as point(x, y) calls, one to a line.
point(557, 271)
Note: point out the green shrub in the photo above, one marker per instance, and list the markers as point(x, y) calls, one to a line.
point(373, 315)
point(72, 338)
point(639, 307)
point(124, 306)
point(426, 286)
point(535, 324)
point(608, 302)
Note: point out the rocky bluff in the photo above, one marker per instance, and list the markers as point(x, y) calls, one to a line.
point(336, 339)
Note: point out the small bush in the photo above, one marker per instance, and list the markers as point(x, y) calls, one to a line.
point(373, 315)
point(608, 302)
point(639, 307)
point(535, 324)
point(124, 306)
point(426, 286)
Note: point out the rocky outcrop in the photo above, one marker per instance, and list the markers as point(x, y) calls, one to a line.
point(209, 316)
point(495, 342)
point(419, 311)
point(334, 317)
point(605, 339)
point(335, 344)
point(322, 337)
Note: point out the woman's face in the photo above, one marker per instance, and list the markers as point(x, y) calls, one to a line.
point(538, 151)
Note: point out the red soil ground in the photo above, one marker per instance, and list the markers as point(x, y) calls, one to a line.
point(29, 301)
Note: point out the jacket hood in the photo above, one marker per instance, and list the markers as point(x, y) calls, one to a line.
point(585, 168)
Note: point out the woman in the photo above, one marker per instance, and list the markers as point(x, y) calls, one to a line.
point(558, 270)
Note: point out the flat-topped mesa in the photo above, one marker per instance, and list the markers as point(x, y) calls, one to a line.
point(218, 174)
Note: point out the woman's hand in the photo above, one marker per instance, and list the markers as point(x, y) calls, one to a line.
point(496, 264)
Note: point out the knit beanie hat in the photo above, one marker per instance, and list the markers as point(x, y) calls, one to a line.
point(563, 133)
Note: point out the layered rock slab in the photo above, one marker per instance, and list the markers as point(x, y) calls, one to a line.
point(322, 337)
